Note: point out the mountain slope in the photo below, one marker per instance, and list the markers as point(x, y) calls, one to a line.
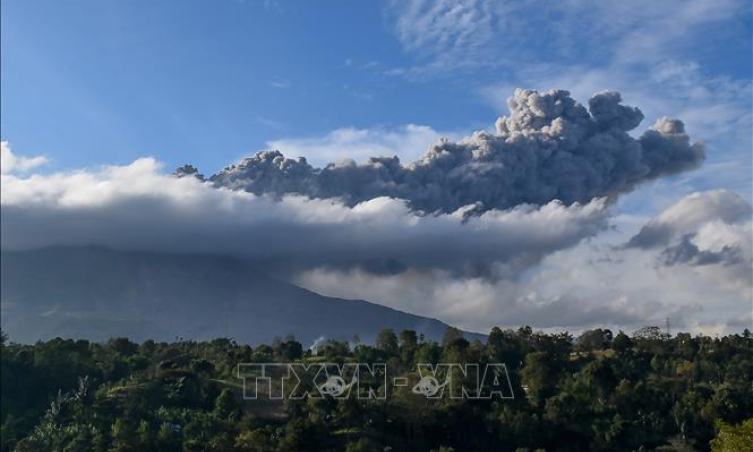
point(97, 293)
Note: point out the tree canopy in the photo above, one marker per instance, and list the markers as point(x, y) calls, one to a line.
point(599, 392)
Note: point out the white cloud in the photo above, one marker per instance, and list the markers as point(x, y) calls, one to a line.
point(709, 234)
point(452, 35)
point(645, 30)
point(408, 142)
point(690, 214)
point(280, 83)
point(138, 207)
point(9, 162)
point(592, 284)
point(445, 33)
point(477, 303)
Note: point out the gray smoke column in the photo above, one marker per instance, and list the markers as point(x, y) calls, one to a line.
point(550, 147)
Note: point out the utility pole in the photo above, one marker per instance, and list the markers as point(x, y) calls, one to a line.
point(669, 334)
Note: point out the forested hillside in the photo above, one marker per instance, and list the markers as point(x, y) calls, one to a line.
point(598, 392)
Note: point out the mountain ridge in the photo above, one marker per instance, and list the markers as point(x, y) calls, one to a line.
point(95, 293)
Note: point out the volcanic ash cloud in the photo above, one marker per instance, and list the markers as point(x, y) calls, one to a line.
point(549, 148)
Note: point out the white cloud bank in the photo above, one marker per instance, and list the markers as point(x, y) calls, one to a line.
point(708, 233)
point(139, 207)
point(596, 283)
point(9, 162)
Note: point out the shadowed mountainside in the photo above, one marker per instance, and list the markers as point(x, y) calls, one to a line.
point(97, 293)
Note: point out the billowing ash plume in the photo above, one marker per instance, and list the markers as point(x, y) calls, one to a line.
point(188, 170)
point(551, 147)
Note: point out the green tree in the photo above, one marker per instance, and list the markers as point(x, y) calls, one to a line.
point(291, 350)
point(226, 406)
point(387, 341)
point(622, 343)
point(539, 377)
point(734, 438)
point(408, 341)
point(596, 339)
point(362, 445)
point(451, 334)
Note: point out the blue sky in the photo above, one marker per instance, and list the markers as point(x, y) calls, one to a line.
point(105, 82)
point(207, 82)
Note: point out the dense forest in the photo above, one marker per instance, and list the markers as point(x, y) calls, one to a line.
point(646, 391)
